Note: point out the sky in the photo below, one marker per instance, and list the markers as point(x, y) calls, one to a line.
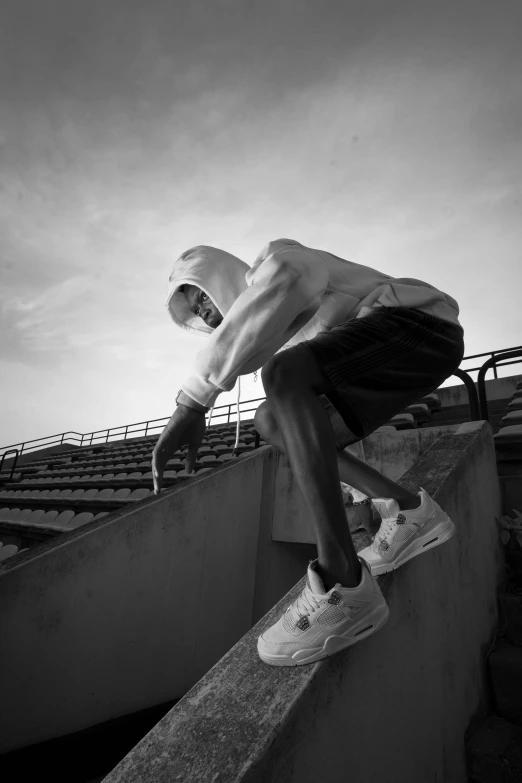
point(387, 133)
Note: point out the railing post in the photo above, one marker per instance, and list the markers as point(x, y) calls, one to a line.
point(228, 417)
point(15, 460)
point(474, 407)
point(126, 431)
point(494, 366)
point(481, 382)
point(146, 428)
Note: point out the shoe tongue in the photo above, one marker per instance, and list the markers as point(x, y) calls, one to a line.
point(387, 507)
point(315, 583)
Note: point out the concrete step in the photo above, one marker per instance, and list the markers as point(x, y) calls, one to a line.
point(494, 752)
point(505, 669)
point(511, 608)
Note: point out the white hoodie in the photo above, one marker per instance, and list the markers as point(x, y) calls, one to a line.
point(291, 293)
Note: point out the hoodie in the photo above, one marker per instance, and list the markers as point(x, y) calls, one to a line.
point(288, 295)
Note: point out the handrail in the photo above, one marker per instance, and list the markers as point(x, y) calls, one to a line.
point(481, 380)
point(13, 466)
point(492, 354)
point(474, 407)
point(498, 358)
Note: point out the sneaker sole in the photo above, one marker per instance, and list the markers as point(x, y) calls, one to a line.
point(333, 644)
point(439, 535)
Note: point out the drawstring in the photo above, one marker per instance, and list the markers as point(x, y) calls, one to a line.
point(238, 416)
point(238, 413)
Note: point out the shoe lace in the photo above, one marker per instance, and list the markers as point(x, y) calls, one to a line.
point(305, 604)
point(387, 530)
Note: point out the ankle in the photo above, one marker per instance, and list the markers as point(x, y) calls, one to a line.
point(346, 577)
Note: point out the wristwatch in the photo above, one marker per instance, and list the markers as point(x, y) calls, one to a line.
point(189, 402)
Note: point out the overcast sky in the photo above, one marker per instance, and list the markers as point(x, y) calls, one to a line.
point(387, 132)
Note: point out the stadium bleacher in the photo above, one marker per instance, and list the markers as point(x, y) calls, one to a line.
point(54, 494)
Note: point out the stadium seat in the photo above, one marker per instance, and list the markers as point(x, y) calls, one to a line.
point(512, 418)
point(403, 421)
point(139, 494)
point(8, 551)
point(420, 412)
point(81, 519)
point(509, 437)
point(64, 518)
point(432, 401)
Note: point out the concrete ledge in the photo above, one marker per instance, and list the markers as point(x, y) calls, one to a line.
point(496, 389)
point(129, 611)
point(417, 683)
point(391, 452)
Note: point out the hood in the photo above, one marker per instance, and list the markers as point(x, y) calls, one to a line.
point(218, 273)
point(222, 277)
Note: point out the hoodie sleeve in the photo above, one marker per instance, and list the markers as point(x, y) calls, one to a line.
point(284, 293)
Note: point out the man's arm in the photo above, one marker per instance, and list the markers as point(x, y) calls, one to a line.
point(285, 293)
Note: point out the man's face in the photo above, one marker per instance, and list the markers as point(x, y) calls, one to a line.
point(200, 304)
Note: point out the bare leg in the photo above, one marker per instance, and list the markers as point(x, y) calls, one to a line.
point(309, 443)
point(293, 380)
point(352, 470)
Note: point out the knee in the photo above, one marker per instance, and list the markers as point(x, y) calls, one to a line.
point(275, 372)
point(265, 423)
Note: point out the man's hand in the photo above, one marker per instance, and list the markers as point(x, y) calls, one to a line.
point(186, 426)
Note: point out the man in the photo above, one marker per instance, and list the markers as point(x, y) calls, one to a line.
point(371, 344)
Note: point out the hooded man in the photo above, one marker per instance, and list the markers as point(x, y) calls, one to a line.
point(368, 343)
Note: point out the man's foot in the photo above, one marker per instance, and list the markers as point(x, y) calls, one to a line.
point(404, 534)
point(319, 623)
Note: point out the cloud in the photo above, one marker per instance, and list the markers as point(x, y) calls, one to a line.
point(384, 133)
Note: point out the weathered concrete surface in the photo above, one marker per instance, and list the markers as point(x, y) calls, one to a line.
point(390, 452)
point(121, 615)
point(393, 708)
point(496, 389)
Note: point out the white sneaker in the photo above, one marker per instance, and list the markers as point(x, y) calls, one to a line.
point(320, 623)
point(404, 534)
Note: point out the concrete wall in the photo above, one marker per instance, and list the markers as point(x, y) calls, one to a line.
point(124, 614)
point(496, 389)
point(392, 708)
point(390, 452)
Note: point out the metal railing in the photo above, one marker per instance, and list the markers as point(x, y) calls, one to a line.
point(481, 380)
point(474, 407)
point(15, 460)
point(478, 409)
point(492, 354)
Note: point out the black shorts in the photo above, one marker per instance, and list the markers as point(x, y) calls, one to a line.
point(380, 364)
